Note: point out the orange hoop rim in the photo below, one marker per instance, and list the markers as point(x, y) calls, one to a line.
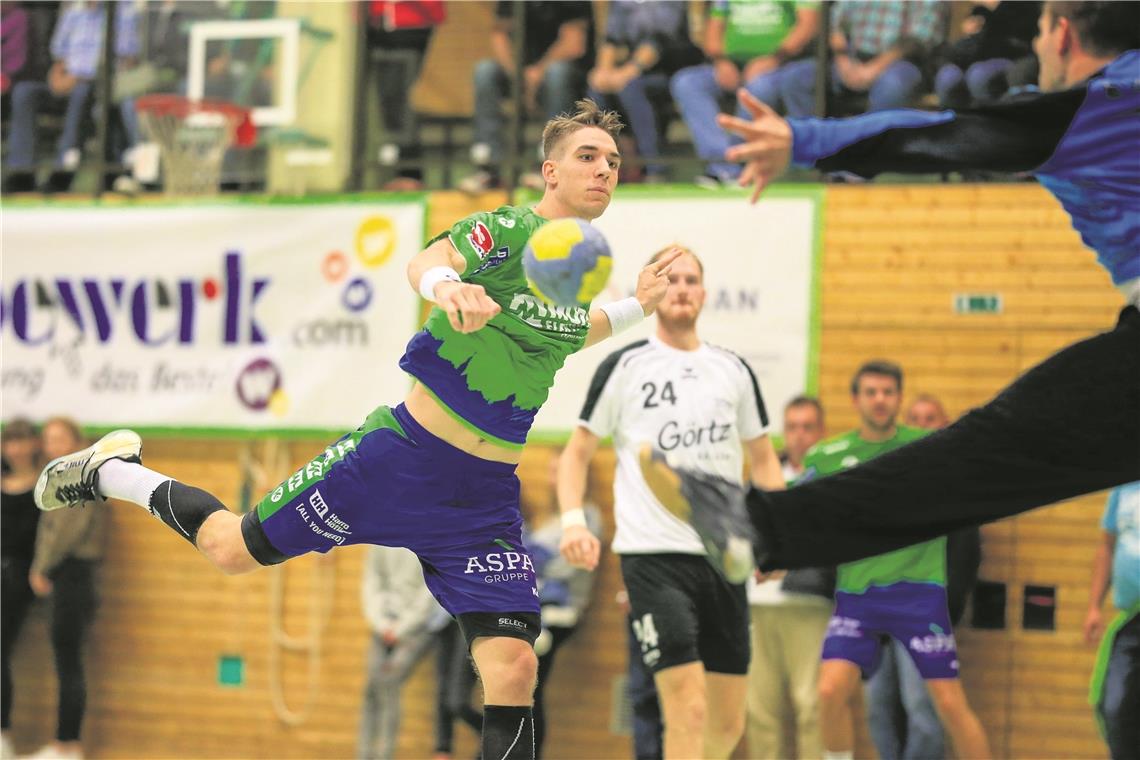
point(180, 106)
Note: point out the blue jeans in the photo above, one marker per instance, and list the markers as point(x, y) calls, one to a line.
point(982, 82)
point(895, 88)
point(637, 102)
point(698, 96)
point(903, 722)
point(29, 97)
point(561, 86)
point(1120, 700)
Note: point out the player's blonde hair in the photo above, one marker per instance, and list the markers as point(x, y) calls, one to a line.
point(586, 113)
point(684, 249)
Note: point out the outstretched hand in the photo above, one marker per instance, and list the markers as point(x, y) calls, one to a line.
point(767, 147)
point(653, 281)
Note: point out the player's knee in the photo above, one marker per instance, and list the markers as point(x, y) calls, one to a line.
point(692, 714)
point(727, 728)
point(950, 704)
point(832, 695)
point(224, 546)
point(513, 673)
point(235, 561)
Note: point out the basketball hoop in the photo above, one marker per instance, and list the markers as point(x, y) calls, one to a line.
point(193, 136)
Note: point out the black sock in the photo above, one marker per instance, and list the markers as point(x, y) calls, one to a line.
point(184, 508)
point(508, 733)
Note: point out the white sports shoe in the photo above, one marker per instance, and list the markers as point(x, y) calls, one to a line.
point(73, 479)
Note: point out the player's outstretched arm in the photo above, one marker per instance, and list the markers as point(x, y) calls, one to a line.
point(435, 274)
point(652, 284)
point(764, 469)
point(1014, 136)
point(579, 546)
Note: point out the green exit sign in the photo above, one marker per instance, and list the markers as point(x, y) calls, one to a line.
point(977, 303)
point(231, 670)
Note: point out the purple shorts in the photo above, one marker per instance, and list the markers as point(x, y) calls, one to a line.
point(390, 482)
point(914, 613)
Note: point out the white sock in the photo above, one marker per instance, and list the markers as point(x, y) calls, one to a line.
point(129, 481)
point(843, 754)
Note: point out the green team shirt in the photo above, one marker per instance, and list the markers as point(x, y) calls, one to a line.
point(495, 379)
point(755, 27)
point(922, 563)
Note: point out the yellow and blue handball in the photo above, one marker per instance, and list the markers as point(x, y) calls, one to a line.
point(567, 262)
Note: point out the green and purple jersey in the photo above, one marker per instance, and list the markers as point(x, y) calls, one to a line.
point(921, 563)
point(495, 379)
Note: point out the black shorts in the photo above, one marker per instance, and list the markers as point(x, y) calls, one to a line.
point(684, 611)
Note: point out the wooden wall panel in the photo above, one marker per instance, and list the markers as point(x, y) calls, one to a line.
point(893, 258)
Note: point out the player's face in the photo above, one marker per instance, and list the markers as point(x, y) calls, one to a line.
point(59, 440)
point(877, 401)
point(584, 172)
point(927, 415)
point(802, 430)
point(686, 295)
point(1049, 44)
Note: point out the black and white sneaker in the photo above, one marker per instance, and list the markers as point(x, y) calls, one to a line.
point(73, 479)
point(712, 505)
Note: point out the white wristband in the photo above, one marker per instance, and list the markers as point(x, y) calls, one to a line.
point(623, 314)
point(574, 517)
point(433, 277)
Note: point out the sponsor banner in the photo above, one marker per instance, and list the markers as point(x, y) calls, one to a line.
point(759, 277)
point(240, 316)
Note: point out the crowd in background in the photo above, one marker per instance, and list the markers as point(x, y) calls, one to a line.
point(657, 62)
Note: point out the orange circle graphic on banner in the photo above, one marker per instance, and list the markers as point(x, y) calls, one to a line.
point(375, 240)
point(334, 266)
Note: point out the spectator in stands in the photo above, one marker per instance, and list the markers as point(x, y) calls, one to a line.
point(455, 677)
point(404, 618)
point(979, 64)
point(879, 49)
point(32, 23)
point(1115, 688)
point(399, 32)
point(557, 49)
point(19, 519)
point(902, 718)
point(76, 49)
point(746, 43)
point(164, 30)
point(563, 590)
point(645, 44)
point(69, 547)
point(803, 427)
point(789, 620)
point(927, 412)
point(13, 43)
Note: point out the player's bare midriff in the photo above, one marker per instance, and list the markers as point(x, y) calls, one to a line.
point(439, 422)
